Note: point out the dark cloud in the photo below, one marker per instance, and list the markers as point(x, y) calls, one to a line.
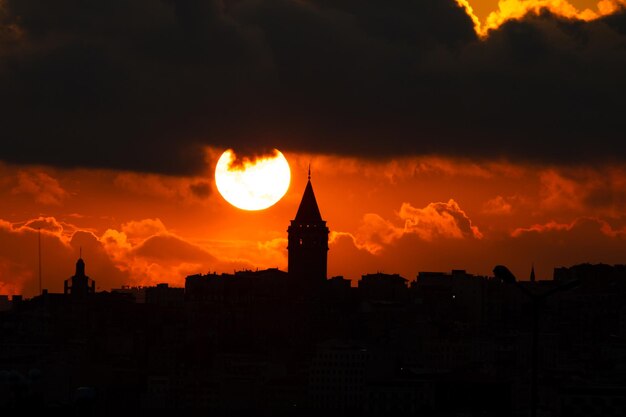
point(200, 189)
point(144, 84)
point(173, 248)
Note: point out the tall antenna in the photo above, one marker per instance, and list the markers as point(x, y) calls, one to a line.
point(39, 246)
point(309, 171)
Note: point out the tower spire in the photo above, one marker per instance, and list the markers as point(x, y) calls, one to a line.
point(308, 241)
point(308, 211)
point(532, 272)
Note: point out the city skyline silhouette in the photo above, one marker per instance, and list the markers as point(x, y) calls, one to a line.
point(299, 343)
point(308, 199)
point(373, 228)
point(284, 207)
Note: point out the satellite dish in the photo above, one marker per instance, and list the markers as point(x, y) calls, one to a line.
point(503, 273)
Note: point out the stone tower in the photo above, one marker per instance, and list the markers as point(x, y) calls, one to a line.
point(308, 242)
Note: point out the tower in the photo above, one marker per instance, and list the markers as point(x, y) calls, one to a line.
point(308, 242)
point(79, 284)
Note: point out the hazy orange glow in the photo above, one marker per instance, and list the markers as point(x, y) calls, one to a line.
point(254, 184)
point(516, 9)
point(401, 215)
point(385, 212)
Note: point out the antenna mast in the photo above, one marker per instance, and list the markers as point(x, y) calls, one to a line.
point(39, 252)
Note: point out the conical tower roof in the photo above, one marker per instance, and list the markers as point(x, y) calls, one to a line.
point(308, 212)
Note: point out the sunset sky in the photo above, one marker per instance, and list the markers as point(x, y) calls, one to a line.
point(441, 134)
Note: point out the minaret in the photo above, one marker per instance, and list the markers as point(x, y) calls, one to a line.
point(79, 284)
point(308, 242)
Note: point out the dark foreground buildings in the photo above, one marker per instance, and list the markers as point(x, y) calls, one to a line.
point(275, 343)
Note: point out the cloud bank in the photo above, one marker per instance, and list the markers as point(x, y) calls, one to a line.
point(147, 85)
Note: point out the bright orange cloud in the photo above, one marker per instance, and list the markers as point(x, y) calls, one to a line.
point(47, 225)
point(59, 251)
point(436, 220)
point(143, 229)
point(517, 9)
point(150, 253)
point(445, 220)
point(375, 233)
point(603, 226)
point(144, 252)
point(542, 228)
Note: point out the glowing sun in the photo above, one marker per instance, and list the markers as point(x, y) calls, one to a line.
point(252, 184)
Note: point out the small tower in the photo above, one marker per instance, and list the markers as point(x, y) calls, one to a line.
point(79, 284)
point(532, 273)
point(308, 242)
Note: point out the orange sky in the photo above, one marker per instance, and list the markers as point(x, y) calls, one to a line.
point(395, 216)
point(491, 14)
point(420, 213)
point(483, 8)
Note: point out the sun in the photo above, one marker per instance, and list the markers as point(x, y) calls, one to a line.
point(252, 184)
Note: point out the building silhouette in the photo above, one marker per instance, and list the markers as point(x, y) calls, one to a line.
point(308, 243)
point(275, 343)
point(383, 287)
point(79, 284)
